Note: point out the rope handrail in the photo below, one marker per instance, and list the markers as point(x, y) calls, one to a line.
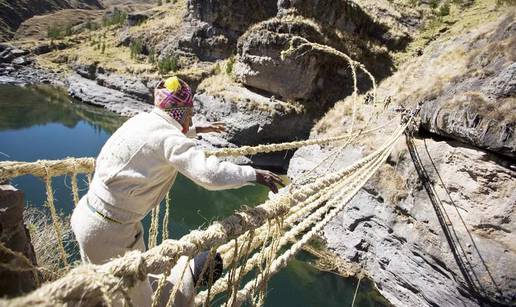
point(44, 168)
point(53, 168)
point(346, 185)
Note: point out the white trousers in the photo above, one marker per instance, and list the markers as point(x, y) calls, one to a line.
point(101, 240)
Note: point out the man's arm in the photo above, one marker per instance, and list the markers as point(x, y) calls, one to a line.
point(208, 172)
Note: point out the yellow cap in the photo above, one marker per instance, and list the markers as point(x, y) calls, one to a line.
point(172, 84)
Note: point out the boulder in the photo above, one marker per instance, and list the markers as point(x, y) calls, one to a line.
point(15, 236)
point(477, 105)
point(21, 61)
point(128, 85)
point(209, 30)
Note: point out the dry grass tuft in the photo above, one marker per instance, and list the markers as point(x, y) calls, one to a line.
point(391, 185)
point(43, 238)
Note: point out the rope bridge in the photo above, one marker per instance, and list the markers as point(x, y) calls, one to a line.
point(259, 240)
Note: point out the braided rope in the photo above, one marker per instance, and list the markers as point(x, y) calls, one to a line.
point(179, 284)
point(268, 148)
point(346, 184)
point(343, 198)
point(295, 212)
point(55, 219)
point(352, 64)
point(42, 168)
point(153, 229)
point(166, 218)
point(157, 258)
point(12, 169)
point(75, 188)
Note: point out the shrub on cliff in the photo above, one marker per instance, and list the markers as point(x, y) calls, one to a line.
point(57, 31)
point(167, 63)
point(116, 17)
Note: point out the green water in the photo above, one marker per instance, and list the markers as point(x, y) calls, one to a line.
point(41, 122)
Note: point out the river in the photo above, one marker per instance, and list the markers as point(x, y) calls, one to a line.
point(42, 122)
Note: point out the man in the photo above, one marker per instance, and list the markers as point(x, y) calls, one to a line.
point(137, 167)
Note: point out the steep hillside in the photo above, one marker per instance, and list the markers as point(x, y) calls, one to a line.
point(14, 12)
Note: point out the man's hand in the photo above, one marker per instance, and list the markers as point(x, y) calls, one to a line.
point(269, 179)
point(213, 127)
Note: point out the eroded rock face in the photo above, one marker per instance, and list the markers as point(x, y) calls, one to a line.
point(401, 245)
point(15, 236)
point(309, 75)
point(210, 29)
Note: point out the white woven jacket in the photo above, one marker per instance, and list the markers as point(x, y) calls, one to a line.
point(139, 163)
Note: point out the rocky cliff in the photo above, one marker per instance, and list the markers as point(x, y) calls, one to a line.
point(455, 246)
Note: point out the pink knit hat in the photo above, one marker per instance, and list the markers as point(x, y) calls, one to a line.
point(176, 103)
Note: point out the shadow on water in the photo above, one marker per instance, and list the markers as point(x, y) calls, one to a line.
point(42, 122)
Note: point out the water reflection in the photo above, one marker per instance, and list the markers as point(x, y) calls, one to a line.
point(24, 107)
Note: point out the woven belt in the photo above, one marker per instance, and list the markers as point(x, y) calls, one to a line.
point(102, 215)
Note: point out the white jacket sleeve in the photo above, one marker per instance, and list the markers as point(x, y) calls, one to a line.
point(208, 172)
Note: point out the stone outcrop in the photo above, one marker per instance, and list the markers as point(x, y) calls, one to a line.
point(393, 232)
point(464, 76)
point(252, 118)
point(232, 16)
point(11, 54)
point(15, 236)
point(214, 26)
point(309, 75)
point(90, 92)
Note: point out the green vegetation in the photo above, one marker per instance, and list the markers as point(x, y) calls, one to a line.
point(91, 25)
point(117, 17)
point(444, 9)
point(216, 69)
point(152, 56)
point(57, 31)
point(136, 48)
point(168, 63)
point(230, 64)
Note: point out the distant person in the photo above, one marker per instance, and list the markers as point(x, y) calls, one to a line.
point(134, 171)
